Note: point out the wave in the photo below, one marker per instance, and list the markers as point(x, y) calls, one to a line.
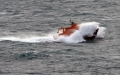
point(87, 28)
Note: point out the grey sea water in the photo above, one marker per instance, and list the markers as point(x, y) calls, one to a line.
point(28, 18)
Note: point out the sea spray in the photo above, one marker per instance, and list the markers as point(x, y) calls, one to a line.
point(86, 29)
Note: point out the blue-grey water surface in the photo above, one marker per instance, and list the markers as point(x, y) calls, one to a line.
point(26, 18)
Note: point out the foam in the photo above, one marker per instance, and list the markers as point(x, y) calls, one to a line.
point(101, 32)
point(29, 40)
point(86, 28)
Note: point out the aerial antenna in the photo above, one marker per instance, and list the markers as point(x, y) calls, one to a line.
point(71, 21)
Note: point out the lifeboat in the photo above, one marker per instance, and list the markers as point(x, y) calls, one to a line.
point(68, 31)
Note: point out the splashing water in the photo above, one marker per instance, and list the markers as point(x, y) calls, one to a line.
point(87, 28)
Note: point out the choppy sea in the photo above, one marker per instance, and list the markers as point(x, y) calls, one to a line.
point(23, 20)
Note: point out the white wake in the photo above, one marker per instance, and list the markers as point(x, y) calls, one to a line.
point(87, 28)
